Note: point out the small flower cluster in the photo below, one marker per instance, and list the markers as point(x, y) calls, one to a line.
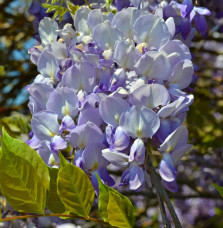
point(109, 88)
point(184, 14)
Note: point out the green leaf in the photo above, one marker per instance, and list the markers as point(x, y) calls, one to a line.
point(59, 10)
point(24, 177)
point(2, 71)
point(115, 208)
point(54, 203)
point(73, 8)
point(219, 188)
point(108, 4)
point(16, 124)
point(54, 1)
point(74, 188)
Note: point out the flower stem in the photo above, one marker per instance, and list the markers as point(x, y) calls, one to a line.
point(162, 195)
point(88, 4)
point(153, 176)
point(53, 215)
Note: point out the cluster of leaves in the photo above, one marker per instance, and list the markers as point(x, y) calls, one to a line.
point(30, 186)
point(16, 124)
point(60, 10)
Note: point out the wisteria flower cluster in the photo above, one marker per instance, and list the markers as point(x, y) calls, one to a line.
point(187, 17)
point(109, 89)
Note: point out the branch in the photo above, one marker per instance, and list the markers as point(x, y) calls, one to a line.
point(53, 215)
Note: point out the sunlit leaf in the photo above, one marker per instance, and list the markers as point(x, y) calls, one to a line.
point(2, 71)
point(74, 188)
point(115, 208)
point(16, 124)
point(108, 4)
point(24, 177)
point(219, 188)
point(59, 10)
point(54, 203)
point(73, 8)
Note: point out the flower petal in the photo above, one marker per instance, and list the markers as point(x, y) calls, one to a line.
point(139, 122)
point(45, 125)
point(116, 158)
point(136, 178)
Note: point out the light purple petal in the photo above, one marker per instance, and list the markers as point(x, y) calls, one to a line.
point(45, 125)
point(63, 101)
point(80, 76)
point(121, 140)
point(58, 143)
point(179, 152)
point(59, 50)
point(90, 114)
point(111, 109)
point(40, 94)
point(109, 134)
point(117, 79)
point(137, 152)
point(34, 142)
point(124, 21)
point(80, 20)
point(95, 17)
point(171, 27)
point(139, 122)
point(116, 158)
point(151, 30)
point(177, 138)
point(48, 66)
point(78, 159)
point(92, 157)
point(176, 46)
point(43, 80)
point(105, 35)
point(45, 152)
point(125, 178)
point(166, 168)
point(149, 65)
point(167, 126)
point(67, 124)
point(170, 108)
point(85, 134)
point(183, 107)
point(150, 96)
point(182, 74)
point(47, 30)
point(125, 54)
point(202, 10)
point(136, 178)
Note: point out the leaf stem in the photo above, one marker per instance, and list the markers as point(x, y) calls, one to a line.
point(54, 215)
point(88, 4)
point(162, 195)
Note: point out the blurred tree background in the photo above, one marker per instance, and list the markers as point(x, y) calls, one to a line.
point(204, 163)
